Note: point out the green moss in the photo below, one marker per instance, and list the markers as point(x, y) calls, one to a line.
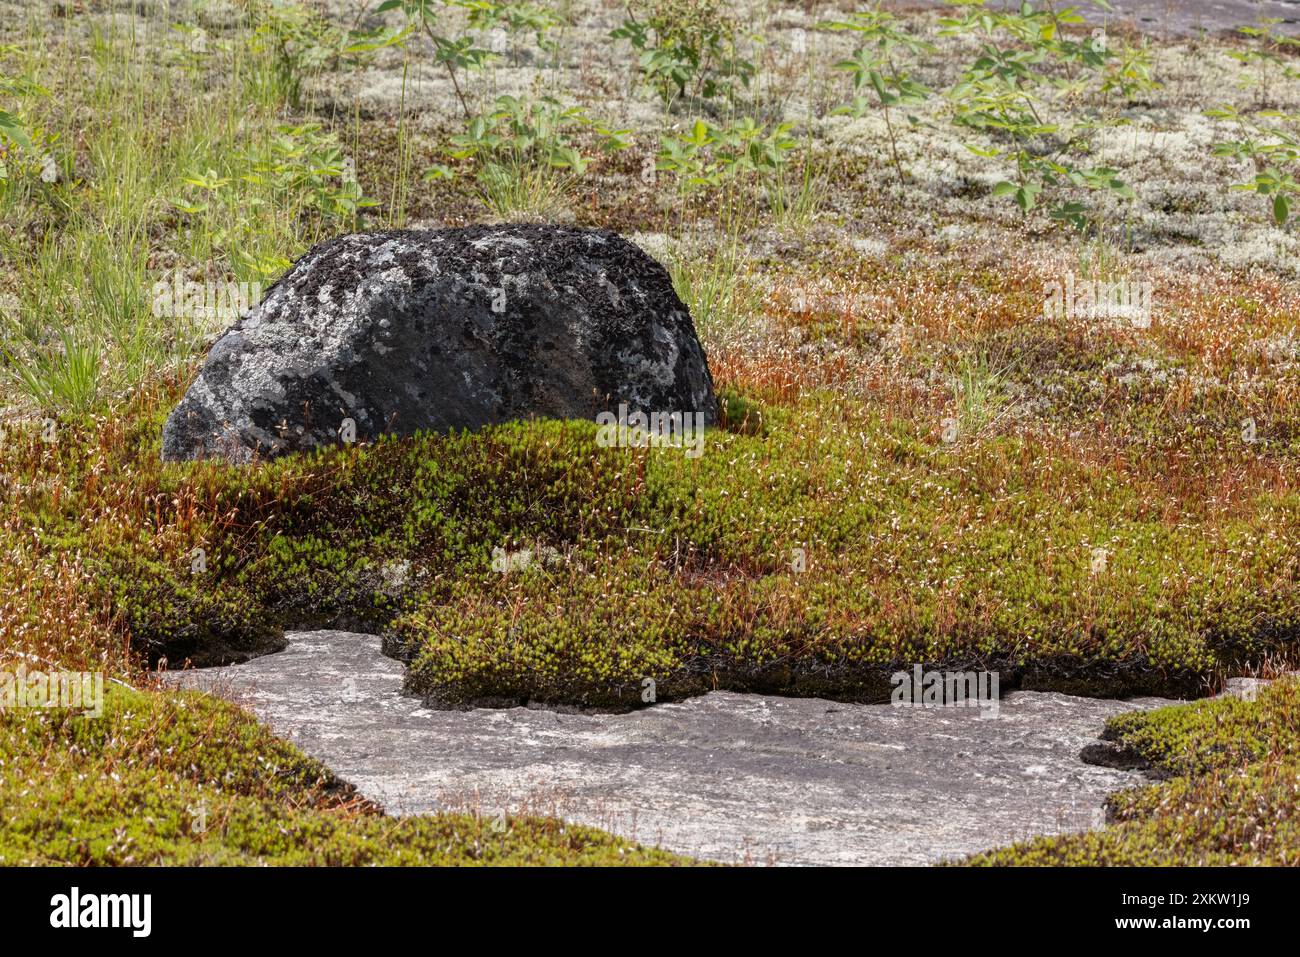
point(1213, 734)
point(738, 414)
point(183, 778)
point(1232, 800)
point(1245, 817)
point(813, 555)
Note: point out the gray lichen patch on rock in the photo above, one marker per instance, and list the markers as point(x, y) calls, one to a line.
point(406, 331)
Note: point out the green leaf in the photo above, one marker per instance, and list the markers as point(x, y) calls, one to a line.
point(13, 130)
point(188, 209)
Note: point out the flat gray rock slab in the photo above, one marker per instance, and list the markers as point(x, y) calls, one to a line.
point(730, 777)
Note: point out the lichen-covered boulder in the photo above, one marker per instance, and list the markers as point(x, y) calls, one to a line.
point(405, 331)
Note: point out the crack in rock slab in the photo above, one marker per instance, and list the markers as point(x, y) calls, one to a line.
point(729, 777)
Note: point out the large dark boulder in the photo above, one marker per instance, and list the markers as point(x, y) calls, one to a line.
point(397, 332)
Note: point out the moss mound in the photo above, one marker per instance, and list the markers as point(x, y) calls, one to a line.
point(1232, 798)
point(527, 563)
point(185, 779)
